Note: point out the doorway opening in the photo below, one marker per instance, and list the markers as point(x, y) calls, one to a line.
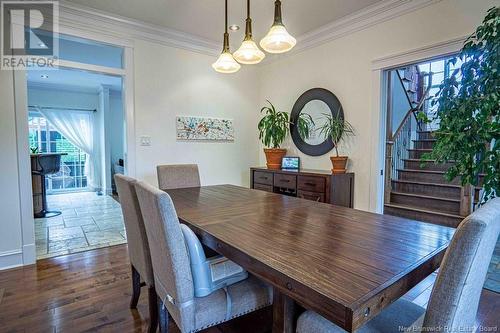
point(76, 113)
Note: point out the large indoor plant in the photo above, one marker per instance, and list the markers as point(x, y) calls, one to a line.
point(273, 129)
point(336, 129)
point(468, 111)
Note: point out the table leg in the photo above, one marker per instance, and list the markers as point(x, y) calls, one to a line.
point(284, 313)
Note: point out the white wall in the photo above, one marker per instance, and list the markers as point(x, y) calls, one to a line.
point(116, 126)
point(10, 218)
point(171, 82)
point(344, 66)
point(55, 96)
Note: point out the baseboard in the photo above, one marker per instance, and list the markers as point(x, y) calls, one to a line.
point(11, 259)
point(29, 254)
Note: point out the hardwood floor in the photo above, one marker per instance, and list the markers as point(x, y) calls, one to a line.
point(90, 292)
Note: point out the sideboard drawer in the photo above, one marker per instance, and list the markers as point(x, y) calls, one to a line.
point(311, 184)
point(267, 188)
point(314, 196)
point(262, 177)
point(286, 181)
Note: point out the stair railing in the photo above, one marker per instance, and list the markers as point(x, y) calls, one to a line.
point(398, 143)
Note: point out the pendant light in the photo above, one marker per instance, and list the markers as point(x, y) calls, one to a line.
point(278, 40)
point(249, 53)
point(226, 63)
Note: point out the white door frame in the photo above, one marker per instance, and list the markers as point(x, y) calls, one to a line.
point(21, 111)
point(379, 85)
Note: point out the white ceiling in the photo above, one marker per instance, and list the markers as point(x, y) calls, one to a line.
point(72, 79)
point(205, 18)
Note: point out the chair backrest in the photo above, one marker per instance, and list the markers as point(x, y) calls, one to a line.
point(455, 296)
point(178, 176)
point(137, 239)
point(171, 267)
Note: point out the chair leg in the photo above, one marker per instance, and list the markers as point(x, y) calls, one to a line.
point(162, 316)
point(153, 310)
point(136, 288)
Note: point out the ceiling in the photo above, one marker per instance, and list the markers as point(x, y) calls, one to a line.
point(72, 79)
point(205, 18)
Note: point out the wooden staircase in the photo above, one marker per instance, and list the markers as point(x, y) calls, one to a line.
point(421, 192)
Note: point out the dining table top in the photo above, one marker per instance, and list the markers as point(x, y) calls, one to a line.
point(344, 263)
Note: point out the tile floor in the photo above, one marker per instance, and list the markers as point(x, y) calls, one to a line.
point(88, 221)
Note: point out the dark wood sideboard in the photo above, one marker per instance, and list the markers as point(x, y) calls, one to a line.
point(317, 185)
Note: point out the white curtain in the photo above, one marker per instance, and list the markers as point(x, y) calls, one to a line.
point(78, 128)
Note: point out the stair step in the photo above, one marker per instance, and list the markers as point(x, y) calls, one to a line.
point(427, 188)
point(446, 205)
point(425, 134)
point(424, 143)
point(426, 215)
point(418, 164)
point(417, 153)
point(430, 176)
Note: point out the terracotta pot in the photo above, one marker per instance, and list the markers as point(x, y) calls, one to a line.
point(339, 163)
point(274, 157)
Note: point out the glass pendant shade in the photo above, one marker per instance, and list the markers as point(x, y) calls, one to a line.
point(226, 64)
point(249, 53)
point(277, 40)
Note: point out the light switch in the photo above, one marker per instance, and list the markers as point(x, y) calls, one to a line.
point(145, 140)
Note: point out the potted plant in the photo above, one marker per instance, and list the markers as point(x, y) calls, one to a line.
point(469, 122)
point(273, 129)
point(335, 129)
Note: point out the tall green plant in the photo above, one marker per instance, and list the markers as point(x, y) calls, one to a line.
point(305, 125)
point(468, 111)
point(273, 127)
point(335, 129)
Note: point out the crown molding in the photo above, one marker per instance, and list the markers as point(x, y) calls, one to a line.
point(441, 49)
point(78, 17)
point(378, 13)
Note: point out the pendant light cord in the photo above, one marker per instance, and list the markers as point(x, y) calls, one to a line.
point(248, 27)
point(226, 16)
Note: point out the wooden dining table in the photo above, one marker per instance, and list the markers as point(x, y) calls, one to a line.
point(345, 264)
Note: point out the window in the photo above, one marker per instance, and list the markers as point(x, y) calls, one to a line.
point(47, 140)
point(440, 70)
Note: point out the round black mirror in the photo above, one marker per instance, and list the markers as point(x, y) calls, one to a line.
point(311, 108)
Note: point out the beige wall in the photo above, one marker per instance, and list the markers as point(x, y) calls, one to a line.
point(171, 82)
point(344, 66)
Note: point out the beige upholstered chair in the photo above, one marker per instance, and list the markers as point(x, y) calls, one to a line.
point(138, 247)
point(455, 296)
point(178, 176)
point(173, 278)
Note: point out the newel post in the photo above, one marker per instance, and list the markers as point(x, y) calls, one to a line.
point(388, 171)
point(466, 200)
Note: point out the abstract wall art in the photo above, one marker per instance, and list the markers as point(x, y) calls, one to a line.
point(202, 128)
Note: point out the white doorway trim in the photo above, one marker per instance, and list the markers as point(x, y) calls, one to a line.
point(21, 111)
point(379, 84)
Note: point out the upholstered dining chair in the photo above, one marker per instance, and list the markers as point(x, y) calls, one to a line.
point(138, 247)
point(178, 176)
point(455, 296)
point(173, 277)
